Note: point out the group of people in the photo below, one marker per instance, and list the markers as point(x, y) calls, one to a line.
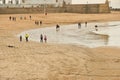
point(26, 37)
point(24, 17)
point(21, 18)
point(12, 18)
point(42, 38)
point(38, 22)
point(79, 26)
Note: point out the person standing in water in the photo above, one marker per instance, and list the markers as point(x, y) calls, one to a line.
point(85, 24)
point(45, 38)
point(57, 27)
point(20, 38)
point(41, 38)
point(26, 37)
point(79, 25)
point(96, 27)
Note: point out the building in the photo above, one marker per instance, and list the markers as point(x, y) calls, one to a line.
point(36, 2)
point(10, 2)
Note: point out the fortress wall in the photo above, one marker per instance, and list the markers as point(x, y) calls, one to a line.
point(88, 8)
point(56, 10)
point(18, 10)
point(91, 8)
point(74, 8)
point(29, 10)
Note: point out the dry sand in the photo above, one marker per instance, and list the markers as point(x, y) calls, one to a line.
point(37, 61)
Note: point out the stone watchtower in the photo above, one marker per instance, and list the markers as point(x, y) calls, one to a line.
point(107, 4)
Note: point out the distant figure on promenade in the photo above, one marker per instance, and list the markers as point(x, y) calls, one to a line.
point(41, 38)
point(85, 24)
point(96, 27)
point(45, 38)
point(10, 18)
point(79, 25)
point(26, 37)
point(20, 38)
point(57, 27)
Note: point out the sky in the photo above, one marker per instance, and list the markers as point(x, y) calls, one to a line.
point(113, 3)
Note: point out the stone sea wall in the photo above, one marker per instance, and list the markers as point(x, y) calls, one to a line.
point(72, 8)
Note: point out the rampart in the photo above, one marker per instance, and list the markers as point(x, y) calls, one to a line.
point(73, 8)
point(88, 8)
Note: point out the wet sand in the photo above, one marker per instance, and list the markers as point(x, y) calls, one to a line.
point(37, 61)
point(87, 36)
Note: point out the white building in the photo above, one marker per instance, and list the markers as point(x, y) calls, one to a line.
point(36, 2)
point(10, 1)
point(54, 2)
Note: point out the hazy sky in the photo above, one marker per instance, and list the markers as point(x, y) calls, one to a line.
point(113, 3)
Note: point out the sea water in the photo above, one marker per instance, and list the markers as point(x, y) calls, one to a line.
point(108, 34)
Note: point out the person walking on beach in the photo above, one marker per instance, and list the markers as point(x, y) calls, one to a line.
point(45, 38)
point(85, 24)
point(40, 22)
point(20, 38)
point(10, 18)
point(96, 27)
point(46, 13)
point(20, 17)
point(26, 37)
point(36, 22)
point(57, 27)
point(41, 38)
point(14, 18)
point(24, 18)
point(30, 17)
point(79, 25)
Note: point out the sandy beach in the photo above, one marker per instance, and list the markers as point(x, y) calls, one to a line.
point(43, 61)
